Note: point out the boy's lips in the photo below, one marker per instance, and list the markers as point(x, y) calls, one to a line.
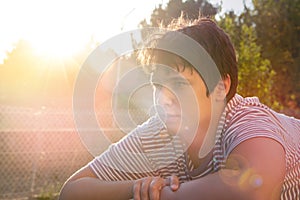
point(173, 115)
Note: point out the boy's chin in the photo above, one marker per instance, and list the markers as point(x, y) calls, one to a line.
point(172, 130)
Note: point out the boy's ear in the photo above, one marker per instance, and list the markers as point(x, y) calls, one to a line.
point(222, 88)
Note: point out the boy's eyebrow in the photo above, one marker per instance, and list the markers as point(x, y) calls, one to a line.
point(178, 79)
point(170, 75)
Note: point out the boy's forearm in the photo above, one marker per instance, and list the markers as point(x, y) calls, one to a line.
point(95, 189)
point(209, 187)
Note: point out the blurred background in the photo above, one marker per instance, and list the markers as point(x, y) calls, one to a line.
point(43, 45)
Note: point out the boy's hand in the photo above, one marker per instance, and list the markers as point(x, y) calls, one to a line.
point(149, 188)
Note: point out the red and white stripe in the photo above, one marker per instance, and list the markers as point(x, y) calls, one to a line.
point(150, 151)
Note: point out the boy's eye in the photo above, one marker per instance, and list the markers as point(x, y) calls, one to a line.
point(179, 84)
point(173, 85)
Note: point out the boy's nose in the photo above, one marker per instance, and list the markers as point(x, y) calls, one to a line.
point(166, 97)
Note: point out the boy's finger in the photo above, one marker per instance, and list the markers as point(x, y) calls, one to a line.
point(174, 182)
point(145, 188)
point(137, 190)
point(155, 188)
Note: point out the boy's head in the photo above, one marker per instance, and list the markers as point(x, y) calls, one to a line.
point(207, 34)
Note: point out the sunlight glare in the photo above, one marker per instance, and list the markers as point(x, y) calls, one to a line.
point(61, 28)
point(57, 46)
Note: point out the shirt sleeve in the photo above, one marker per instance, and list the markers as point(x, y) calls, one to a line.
point(252, 122)
point(126, 159)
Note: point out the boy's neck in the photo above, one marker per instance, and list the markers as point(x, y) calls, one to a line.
point(195, 150)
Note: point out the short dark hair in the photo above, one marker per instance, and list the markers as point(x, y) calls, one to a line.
point(211, 37)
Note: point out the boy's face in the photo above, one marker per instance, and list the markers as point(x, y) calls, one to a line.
point(182, 96)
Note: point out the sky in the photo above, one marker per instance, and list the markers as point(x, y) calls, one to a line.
point(61, 27)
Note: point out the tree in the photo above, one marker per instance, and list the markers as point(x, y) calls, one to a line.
point(256, 75)
point(191, 9)
point(277, 23)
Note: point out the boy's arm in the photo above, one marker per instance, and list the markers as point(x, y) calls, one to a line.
point(85, 185)
point(111, 182)
point(255, 170)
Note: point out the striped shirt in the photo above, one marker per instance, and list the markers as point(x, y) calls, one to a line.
point(150, 151)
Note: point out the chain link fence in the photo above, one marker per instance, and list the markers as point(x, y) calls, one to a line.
point(40, 149)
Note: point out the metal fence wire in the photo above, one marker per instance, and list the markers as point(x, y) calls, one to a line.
point(40, 149)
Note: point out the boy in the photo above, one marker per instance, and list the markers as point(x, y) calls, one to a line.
point(206, 142)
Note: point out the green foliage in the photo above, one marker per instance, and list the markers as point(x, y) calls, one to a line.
point(278, 32)
point(256, 75)
point(46, 196)
point(50, 192)
point(191, 9)
point(231, 25)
